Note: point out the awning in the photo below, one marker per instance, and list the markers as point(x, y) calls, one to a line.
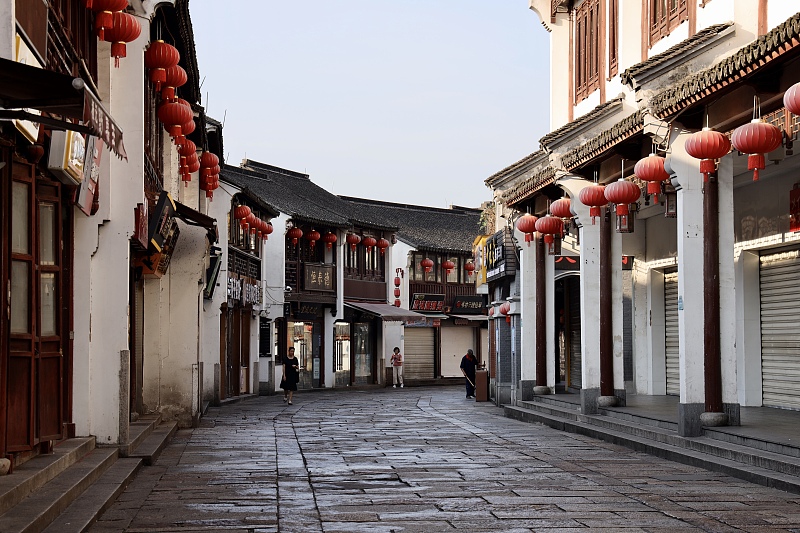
point(473, 318)
point(385, 311)
point(196, 218)
point(435, 315)
point(27, 87)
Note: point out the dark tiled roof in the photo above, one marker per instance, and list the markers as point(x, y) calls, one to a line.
point(624, 129)
point(583, 119)
point(749, 59)
point(678, 50)
point(524, 189)
point(425, 228)
point(289, 192)
point(527, 160)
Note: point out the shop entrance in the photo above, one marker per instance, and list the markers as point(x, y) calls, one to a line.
point(307, 340)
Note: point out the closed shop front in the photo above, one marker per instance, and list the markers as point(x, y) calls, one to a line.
point(672, 343)
point(456, 340)
point(780, 336)
point(420, 353)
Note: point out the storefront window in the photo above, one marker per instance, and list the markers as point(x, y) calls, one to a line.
point(454, 275)
point(341, 362)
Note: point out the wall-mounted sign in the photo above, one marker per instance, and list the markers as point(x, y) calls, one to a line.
point(427, 302)
point(573, 262)
point(243, 290)
point(308, 312)
point(140, 225)
point(319, 278)
point(500, 260)
point(86, 195)
point(157, 263)
point(161, 220)
point(25, 56)
point(67, 156)
point(468, 305)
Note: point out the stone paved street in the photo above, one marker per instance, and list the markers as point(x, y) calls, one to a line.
point(422, 460)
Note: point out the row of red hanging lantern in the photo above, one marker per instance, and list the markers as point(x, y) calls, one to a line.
point(249, 222)
point(447, 265)
point(755, 139)
point(369, 242)
point(209, 174)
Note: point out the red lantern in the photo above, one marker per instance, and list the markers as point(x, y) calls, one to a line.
point(504, 310)
point(175, 77)
point(561, 208)
point(491, 311)
point(397, 303)
point(448, 266)
point(550, 226)
point(622, 193)
point(708, 146)
point(186, 151)
point(329, 239)
point(651, 170)
point(756, 139)
point(208, 163)
point(470, 268)
point(173, 115)
point(353, 240)
point(158, 57)
point(397, 281)
point(593, 197)
point(527, 224)
point(382, 245)
point(126, 29)
point(313, 236)
point(251, 219)
point(397, 293)
point(241, 212)
point(295, 234)
point(104, 14)
point(426, 264)
point(791, 99)
point(369, 242)
point(268, 230)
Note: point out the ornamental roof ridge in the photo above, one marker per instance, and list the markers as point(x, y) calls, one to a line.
point(698, 38)
point(525, 188)
point(742, 63)
point(620, 131)
point(530, 159)
point(255, 166)
point(598, 111)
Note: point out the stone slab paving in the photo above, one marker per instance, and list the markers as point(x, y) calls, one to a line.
point(417, 461)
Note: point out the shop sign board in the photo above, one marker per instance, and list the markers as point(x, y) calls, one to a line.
point(319, 278)
point(468, 305)
point(572, 262)
point(243, 290)
point(424, 302)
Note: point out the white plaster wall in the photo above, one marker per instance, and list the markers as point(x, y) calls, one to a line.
point(748, 329)
point(274, 276)
point(779, 11)
point(103, 253)
point(690, 268)
point(7, 29)
point(616, 309)
point(560, 80)
point(727, 282)
point(527, 322)
point(400, 259)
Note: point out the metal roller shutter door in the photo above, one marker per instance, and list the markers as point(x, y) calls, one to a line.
point(419, 345)
point(780, 335)
point(672, 339)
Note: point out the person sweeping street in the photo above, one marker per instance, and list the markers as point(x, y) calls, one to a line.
point(468, 364)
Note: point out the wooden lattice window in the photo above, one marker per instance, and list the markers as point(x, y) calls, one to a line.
point(587, 46)
point(665, 16)
point(613, 37)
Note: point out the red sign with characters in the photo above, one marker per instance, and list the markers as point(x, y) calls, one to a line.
point(427, 302)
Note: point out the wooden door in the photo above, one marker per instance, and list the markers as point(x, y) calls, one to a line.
point(37, 328)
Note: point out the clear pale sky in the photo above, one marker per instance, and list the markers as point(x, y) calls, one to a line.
point(410, 101)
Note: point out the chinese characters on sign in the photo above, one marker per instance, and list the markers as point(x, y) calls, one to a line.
point(468, 305)
point(427, 302)
point(244, 290)
point(319, 277)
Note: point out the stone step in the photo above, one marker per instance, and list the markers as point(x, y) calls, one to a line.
point(554, 399)
point(639, 419)
point(151, 447)
point(85, 511)
point(138, 432)
point(773, 471)
point(41, 507)
point(751, 442)
point(32, 475)
point(552, 409)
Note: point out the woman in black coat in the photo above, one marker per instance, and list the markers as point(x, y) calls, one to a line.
point(291, 375)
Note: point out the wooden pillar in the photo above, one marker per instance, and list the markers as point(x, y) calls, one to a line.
point(541, 316)
point(606, 333)
point(711, 346)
